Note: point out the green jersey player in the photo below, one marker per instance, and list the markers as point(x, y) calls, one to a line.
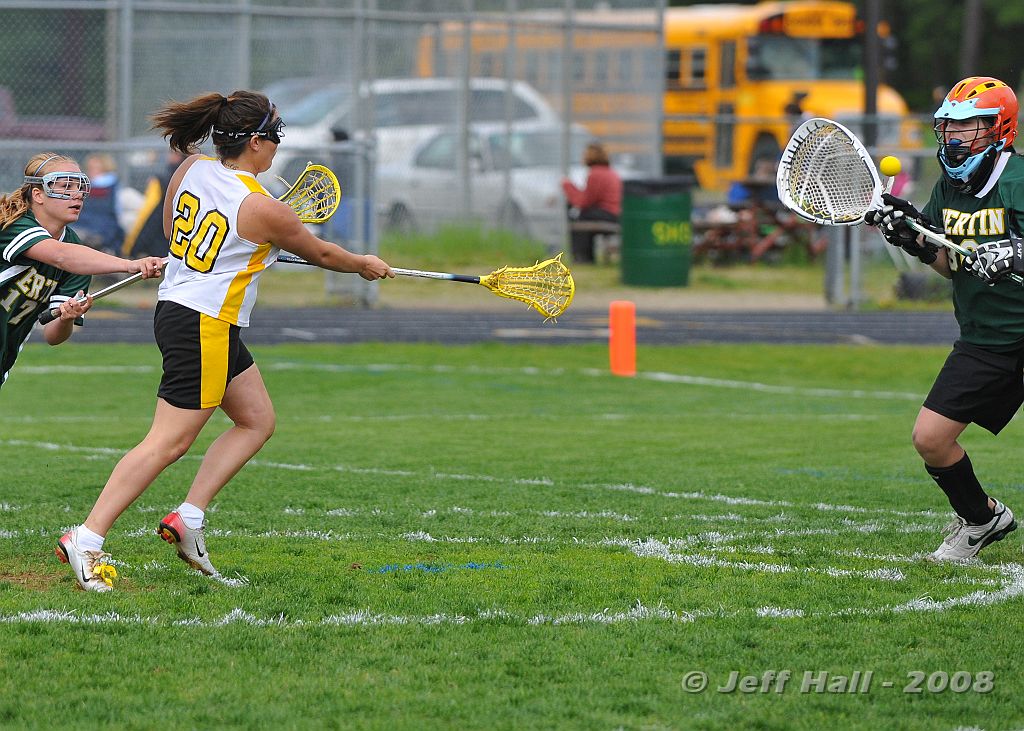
point(42, 264)
point(979, 204)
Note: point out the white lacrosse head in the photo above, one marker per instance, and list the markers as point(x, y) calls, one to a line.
point(826, 175)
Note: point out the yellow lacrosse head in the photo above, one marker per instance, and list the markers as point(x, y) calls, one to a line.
point(547, 286)
point(315, 196)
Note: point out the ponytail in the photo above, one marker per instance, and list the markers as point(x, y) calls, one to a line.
point(186, 125)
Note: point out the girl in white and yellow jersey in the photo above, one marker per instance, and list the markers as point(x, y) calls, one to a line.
point(224, 230)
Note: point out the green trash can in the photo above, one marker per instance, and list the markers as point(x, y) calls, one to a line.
point(657, 234)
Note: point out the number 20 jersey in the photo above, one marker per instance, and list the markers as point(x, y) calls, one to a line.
point(211, 269)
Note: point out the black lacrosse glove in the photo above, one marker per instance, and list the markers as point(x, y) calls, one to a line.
point(993, 260)
point(891, 220)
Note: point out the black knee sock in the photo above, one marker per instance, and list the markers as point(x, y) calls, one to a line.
point(964, 491)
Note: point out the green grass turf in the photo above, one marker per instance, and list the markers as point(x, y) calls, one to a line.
point(508, 537)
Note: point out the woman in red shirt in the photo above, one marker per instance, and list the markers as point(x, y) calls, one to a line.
point(600, 200)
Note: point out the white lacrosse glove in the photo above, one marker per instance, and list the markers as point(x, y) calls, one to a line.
point(891, 220)
point(993, 260)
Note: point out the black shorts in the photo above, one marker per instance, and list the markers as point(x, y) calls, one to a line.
point(979, 386)
point(201, 356)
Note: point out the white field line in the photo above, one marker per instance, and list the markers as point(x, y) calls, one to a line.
point(661, 377)
point(357, 618)
point(1011, 588)
point(506, 480)
point(1008, 585)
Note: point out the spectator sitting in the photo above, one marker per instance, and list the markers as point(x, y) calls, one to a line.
point(99, 225)
point(600, 200)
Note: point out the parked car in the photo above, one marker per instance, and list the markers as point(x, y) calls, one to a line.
point(401, 111)
point(73, 129)
point(424, 190)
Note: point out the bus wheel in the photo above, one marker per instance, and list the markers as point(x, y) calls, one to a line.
point(766, 151)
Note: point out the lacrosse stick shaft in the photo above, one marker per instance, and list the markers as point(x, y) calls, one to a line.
point(469, 278)
point(437, 275)
point(52, 314)
point(943, 241)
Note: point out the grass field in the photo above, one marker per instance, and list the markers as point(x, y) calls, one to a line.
point(507, 537)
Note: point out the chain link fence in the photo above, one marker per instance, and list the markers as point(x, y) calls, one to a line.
point(428, 110)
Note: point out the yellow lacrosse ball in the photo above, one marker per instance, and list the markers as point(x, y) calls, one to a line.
point(890, 166)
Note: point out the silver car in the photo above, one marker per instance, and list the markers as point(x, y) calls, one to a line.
point(515, 180)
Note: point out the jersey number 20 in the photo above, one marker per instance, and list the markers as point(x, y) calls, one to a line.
point(196, 243)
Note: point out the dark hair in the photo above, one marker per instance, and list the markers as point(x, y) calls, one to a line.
point(595, 154)
point(189, 124)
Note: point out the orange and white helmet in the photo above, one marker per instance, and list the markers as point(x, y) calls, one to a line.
point(994, 105)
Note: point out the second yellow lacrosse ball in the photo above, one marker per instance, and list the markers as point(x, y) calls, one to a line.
point(889, 166)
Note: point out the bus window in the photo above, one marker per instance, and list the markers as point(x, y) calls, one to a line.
point(698, 69)
point(601, 68)
point(579, 66)
point(673, 67)
point(727, 65)
point(625, 69)
point(489, 65)
point(723, 135)
point(782, 58)
point(531, 70)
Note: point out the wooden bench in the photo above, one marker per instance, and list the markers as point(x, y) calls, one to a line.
point(607, 238)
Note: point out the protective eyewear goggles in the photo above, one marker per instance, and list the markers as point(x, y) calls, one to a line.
point(273, 132)
point(62, 185)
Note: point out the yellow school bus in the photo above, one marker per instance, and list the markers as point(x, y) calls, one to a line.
point(736, 77)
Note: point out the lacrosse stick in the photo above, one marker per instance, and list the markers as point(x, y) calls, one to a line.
point(547, 286)
point(827, 176)
point(48, 316)
point(314, 197)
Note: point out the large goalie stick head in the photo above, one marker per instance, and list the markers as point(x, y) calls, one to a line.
point(826, 176)
point(315, 196)
point(547, 286)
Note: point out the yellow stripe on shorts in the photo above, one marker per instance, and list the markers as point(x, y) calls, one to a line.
point(213, 346)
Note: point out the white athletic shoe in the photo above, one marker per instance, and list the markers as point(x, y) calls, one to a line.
point(966, 540)
point(92, 571)
point(189, 542)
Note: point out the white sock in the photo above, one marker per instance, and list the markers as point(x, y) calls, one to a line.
point(87, 540)
point(192, 515)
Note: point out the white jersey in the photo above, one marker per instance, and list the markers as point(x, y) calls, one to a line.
point(211, 268)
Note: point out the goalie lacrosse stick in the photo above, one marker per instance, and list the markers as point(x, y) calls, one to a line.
point(547, 286)
point(826, 176)
point(314, 197)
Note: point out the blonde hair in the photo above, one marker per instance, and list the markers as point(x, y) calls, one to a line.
point(595, 155)
point(15, 204)
point(103, 160)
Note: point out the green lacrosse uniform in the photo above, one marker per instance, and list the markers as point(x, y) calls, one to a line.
point(27, 287)
point(990, 317)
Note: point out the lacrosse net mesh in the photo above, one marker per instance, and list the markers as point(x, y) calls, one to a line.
point(547, 286)
point(315, 196)
point(828, 178)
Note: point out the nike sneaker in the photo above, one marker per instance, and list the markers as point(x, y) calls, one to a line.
point(189, 542)
point(966, 539)
point(92, 571)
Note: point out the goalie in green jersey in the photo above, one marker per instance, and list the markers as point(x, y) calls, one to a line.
point(979, 204)
point(42, 264)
